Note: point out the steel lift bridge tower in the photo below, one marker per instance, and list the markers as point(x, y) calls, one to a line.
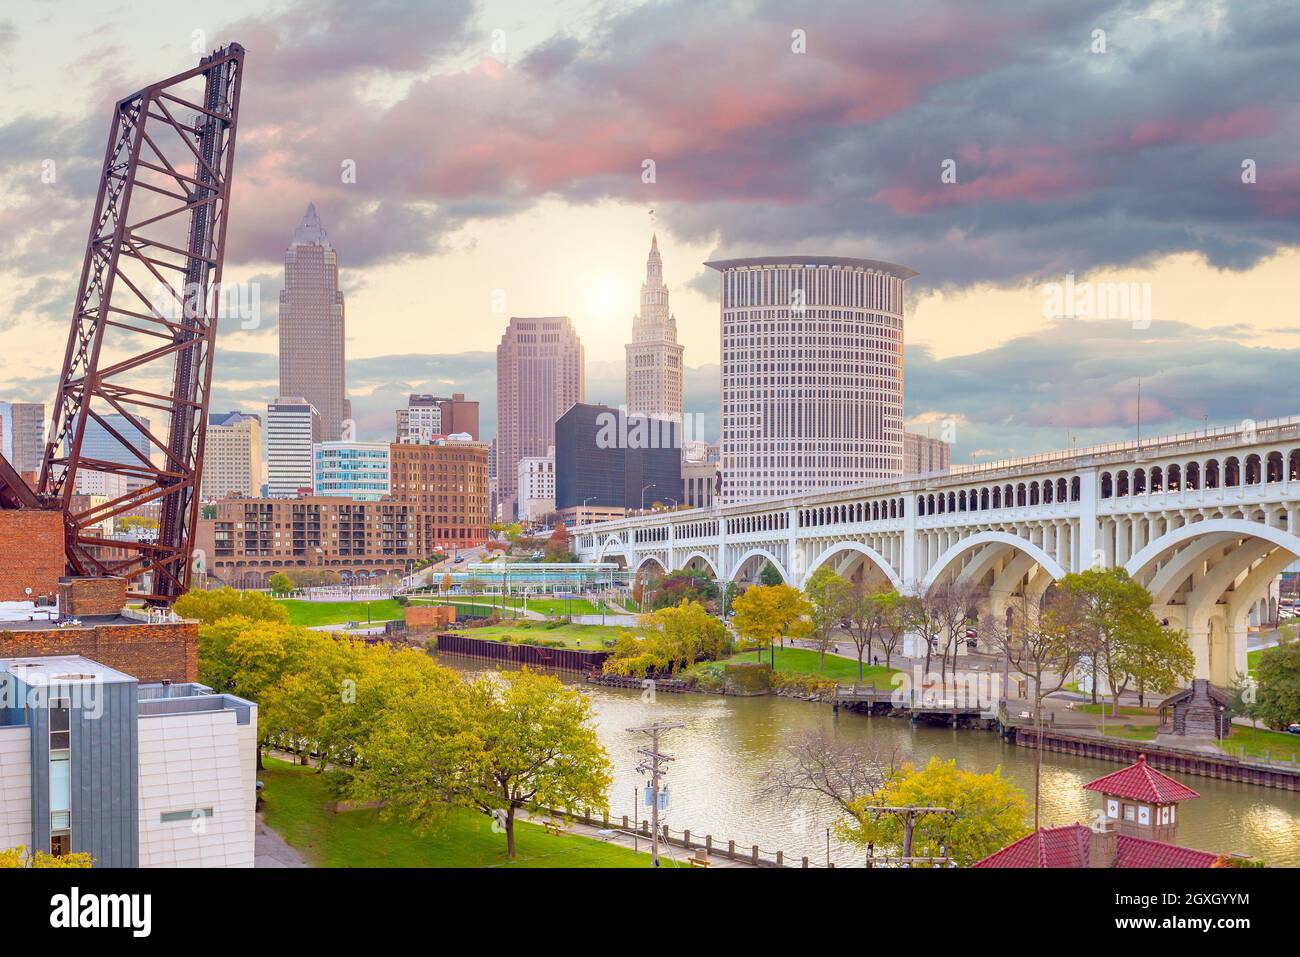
point(144, 326)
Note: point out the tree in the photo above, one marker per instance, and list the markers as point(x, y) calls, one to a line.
point(989, 812)
point(668, 640)
point(1040, 638)
point(951, 605)
point(446, 585)
point(1278, 675)
point(1124, 637)
point(831, 768)
point(279, 583)
point(557, 546)
point(14, 857)
point(769, 575)
point(896, 617)
point(212, 606)
point(508, 740)
point(830, 596)
point(685, 584)
point(766, 614)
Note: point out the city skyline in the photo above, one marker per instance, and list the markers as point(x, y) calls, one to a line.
point(1032, 202)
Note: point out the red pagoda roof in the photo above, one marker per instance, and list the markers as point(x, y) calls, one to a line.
point(1141, 782)
point(1070, 846)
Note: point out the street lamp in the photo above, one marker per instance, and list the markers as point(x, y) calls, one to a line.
point(651, 485)
point(586, 518)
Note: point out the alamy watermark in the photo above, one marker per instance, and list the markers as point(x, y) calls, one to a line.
point(1098, 300)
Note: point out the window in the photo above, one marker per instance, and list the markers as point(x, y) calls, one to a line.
point(1130, 812)
point(1144, 815)
point(60, 777)
point(168, 817)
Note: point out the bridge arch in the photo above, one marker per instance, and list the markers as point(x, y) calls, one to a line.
point(1241, 527)
point(961, 548)
point(686, 563)
point(871, 554)
point(647, 559)
point(615, 545)
point(756, 553)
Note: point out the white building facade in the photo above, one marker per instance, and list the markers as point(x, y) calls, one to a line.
point(292, 428)
point(536, 478)
point(232, 456)
point(812, 373)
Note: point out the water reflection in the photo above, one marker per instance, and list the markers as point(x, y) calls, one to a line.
point(728, 743)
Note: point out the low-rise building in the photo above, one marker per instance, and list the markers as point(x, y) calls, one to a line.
point(536, 486)
point(355, 470)
point(136, 775)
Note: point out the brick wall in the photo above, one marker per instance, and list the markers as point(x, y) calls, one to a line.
point(428, 618)
point(31, 553)
point(147, 652)
point(85, 597)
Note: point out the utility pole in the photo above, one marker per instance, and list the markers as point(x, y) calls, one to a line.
point(651, 760)
point(910, 813)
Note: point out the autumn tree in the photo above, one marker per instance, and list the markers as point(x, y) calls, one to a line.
point(557, 546)
point(1277, 701)
point(989, 813)
point(280, 584)
point(668, 640)
point(18, 857)
point(685, 584)
point(767, 614)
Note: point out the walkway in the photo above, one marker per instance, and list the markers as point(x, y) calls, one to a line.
point(270, 849)
point(670, 855)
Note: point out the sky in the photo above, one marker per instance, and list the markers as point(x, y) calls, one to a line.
point(1008, 152)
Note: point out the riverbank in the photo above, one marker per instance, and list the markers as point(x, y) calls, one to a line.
point(297, 805)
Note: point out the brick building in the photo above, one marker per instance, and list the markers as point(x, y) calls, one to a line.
point(31, 553)
point(251, 539)
point(445, 485)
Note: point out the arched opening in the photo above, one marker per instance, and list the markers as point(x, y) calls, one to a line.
point(1231, 472)
point(1107, 485)
point(1252, 469)
point(1274, 467)
point(1174, 480)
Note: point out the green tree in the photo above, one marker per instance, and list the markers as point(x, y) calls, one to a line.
point(1278, 674)
point(507, 741)
point(830, 596)
point(280, 583)
point(1122, 635)
point(212, 606)
point(766, 614)
point(989, 813)
point(685, 584)
point(769, 575)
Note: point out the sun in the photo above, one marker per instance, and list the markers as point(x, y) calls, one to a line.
point(604, 297)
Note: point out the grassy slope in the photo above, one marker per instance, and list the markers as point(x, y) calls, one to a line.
point(298, 806)
point(1258, 741)
point(803, 661)
point(590, 637)
point(311, 613)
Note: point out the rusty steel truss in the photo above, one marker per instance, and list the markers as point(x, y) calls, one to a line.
point(145, 324)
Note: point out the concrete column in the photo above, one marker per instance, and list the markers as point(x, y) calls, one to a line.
point(911, 571)
point(1087, 517)
point(724, 572)
point(672, 550)
point(794, 555)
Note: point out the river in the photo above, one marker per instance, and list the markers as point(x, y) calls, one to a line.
point(727, 743)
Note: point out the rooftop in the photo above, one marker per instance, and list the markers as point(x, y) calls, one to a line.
point(62, 671)
point(310, 232)
point(1141, 782)
point(1071, 846)
point(875, 265)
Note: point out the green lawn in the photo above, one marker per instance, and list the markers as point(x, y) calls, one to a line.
point(311, 613)
point(299, 807)
point(1258, 742)
point(803, 661)
point(590, 637)
point(1252, 659)
point(552, 607)
point(1133, 732)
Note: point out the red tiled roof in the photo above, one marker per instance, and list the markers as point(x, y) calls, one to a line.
point(1070, 846)
point(1139, 852)
point(1141, 782)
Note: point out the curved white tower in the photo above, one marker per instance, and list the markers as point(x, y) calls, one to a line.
point(812, 373)
point(654, 358)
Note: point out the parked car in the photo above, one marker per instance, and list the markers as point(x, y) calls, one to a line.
point(1293, 727)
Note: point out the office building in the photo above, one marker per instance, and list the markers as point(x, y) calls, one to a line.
point(654, 357)
point(311, 327)
point(427, 417)
point(22, 434)
point(355, 470)
point(293, 427)
point(99, 444)
point(699, 475)
point(539, 377)
point(232, 455)
point(608, 460)
point(923, 455)
point(812, 373)
point(536, 486)
point(445, 485)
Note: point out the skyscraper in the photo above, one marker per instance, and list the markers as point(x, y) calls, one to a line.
point(812, 373)
point(292, 427)
point(539, 377)
point(654, 358)
point(311, 327)
point(22, 434)
point(232, 455)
